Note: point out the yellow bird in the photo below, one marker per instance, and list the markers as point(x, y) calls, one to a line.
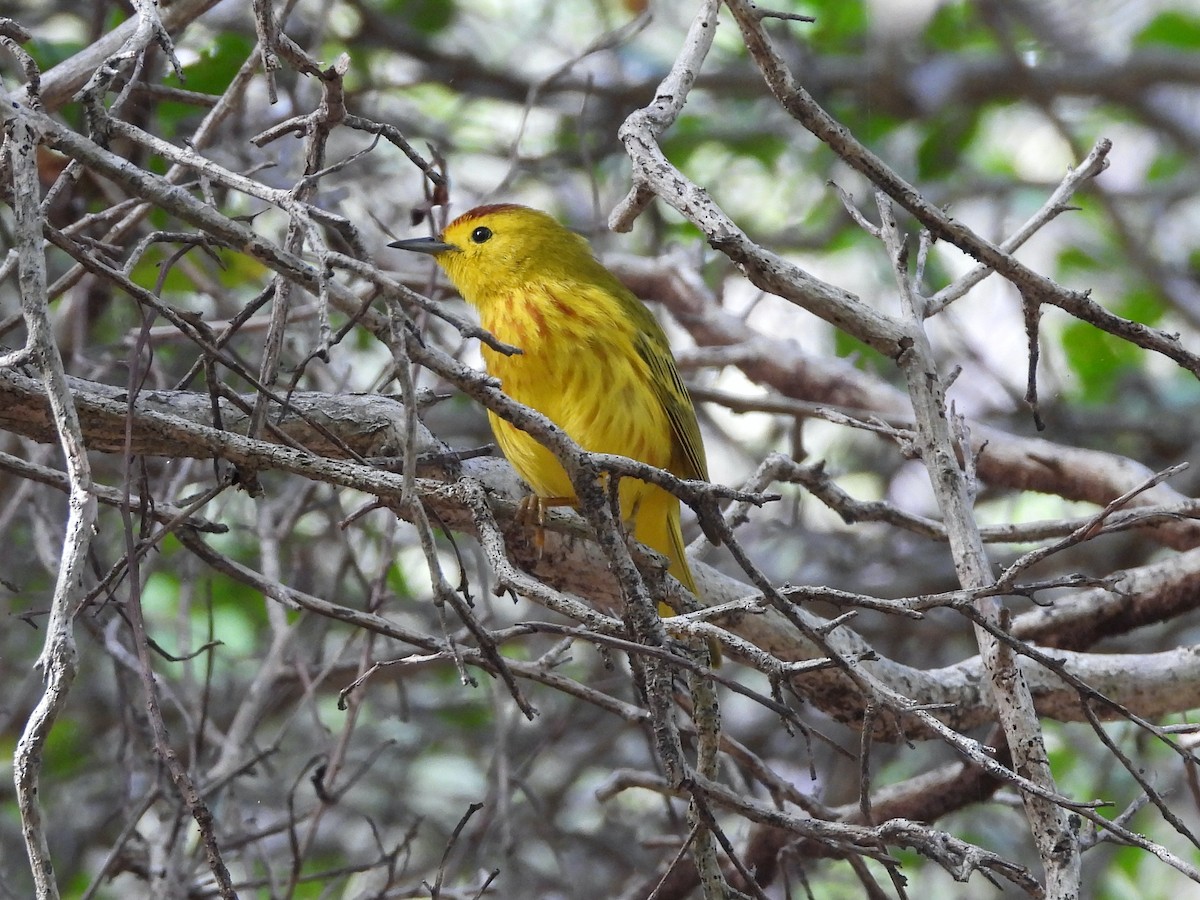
point(593, 360)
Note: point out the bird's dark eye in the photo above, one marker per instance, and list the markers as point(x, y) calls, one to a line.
point(480, 234)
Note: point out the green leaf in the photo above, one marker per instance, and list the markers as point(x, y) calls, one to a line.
point(469, 715)
point(426, 16)
point(220, 61)
point(1142, 305)
point(397, 582)
point(684, 233)
point(955, 27)
point(1172, 28)
point(1075, 260)
point(1100, 360)
point(861, 355)
point(210, 74)
point(684, 139)
point(1167, 165)
point(48, 54)
point(945, 141)
point(1093, 359)
point(871, 126)
point(840, 24)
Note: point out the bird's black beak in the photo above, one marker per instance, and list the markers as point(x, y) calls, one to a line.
point(432, 246)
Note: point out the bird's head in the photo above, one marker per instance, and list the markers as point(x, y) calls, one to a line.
point(502, 246)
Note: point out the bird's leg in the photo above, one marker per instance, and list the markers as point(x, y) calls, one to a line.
point(532, 511)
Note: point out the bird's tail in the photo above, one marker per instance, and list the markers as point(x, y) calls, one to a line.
point(658, 527)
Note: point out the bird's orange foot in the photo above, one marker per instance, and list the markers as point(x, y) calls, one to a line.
point(531, 512)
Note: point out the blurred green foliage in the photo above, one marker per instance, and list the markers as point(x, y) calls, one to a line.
point(1175, 28)
point(449, 78)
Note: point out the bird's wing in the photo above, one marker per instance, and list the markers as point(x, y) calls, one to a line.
point(651, 345)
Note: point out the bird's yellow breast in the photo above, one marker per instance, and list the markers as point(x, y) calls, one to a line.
point(578, 365)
